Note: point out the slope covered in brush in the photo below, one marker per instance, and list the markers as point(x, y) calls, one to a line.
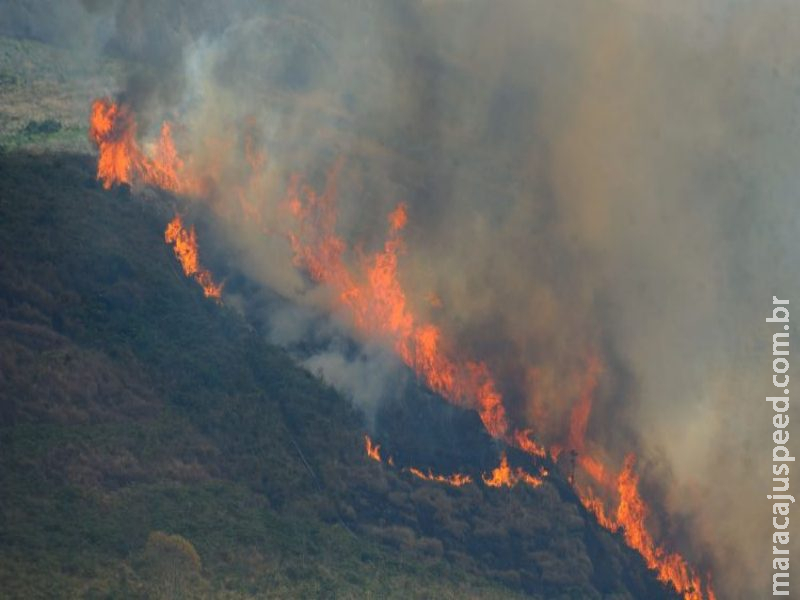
point(152, 444)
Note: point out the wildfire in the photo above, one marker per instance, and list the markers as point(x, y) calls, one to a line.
point(631, 514)
point(112, 127)
point(184, 244)
point(373, 450)
point(372, 294)
point(378, 305)
point(632, 510)
point(456, 479)
point(506, 476)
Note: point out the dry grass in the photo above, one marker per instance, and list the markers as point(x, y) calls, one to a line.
point(39, 83)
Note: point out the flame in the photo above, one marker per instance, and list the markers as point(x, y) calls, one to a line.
point(631, 514)
point(378, 306)
point(506, 476)
point(112, 127)
point(632, 510)
point(456, 479)
point(377, 301)
point(595, 505)
point(185, 247)
point(579, 419)
point(523, 441)
point(373, 450)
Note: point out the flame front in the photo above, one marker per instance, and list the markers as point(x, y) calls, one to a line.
point(631, 515)
point(184, 244)
point(378, 306)
point(457, 479)
point(374, 298)
point(506, 476)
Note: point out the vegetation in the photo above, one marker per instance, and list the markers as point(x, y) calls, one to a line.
point(45, 93)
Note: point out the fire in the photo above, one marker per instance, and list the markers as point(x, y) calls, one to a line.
point(185, 247)
point(373, 296)
point(579, 421)
point(583, 408)
point(632, 511)
point(377, 302)
point(506, 476)
point(373, 450)
point(595, 505)
point(631, 514)
point(456, 479)
point(112, 127)
point(523, 441)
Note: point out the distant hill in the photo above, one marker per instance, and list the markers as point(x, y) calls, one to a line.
point(153, 445)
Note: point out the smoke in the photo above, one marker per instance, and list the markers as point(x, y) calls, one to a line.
point(583, 179)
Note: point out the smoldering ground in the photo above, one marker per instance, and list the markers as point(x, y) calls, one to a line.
point(612, 178)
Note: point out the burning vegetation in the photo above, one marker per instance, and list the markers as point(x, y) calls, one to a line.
point(369, 292)
point(112, 127)
point(184, 244)
point(506, 476)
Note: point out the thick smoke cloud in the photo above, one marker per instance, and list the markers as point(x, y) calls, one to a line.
point(585, 178)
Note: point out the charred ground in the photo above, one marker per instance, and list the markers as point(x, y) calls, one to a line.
point(130, 405)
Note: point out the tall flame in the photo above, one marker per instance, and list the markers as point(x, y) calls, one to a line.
point(184, 244)
point(373, 450)
point(631, 516)
point(378, 305)
point(457, 479)
point(112, 127)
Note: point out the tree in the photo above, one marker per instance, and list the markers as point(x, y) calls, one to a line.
point(171, 566)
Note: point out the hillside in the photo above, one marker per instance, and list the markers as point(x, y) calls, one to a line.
point(133, 410)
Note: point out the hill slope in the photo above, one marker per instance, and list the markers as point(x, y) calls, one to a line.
point(152, 445)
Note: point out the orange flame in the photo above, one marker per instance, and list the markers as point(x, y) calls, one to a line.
point(523, 441)
point(506, 476)
point(377, 302)
point(373, 450)
point(185, 247)
point(579, 419)
point(112, 128)
point(631, 515)
point(378, 306)
point(457, 479)
point(632, 510)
